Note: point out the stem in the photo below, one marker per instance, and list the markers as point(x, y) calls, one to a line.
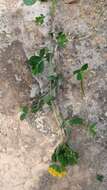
point(82, 88)
point(53, 7)
point(85, 104)
point(54, 107)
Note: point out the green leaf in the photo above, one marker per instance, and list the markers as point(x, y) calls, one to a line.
point(67, 131)
point(76, 121)
point(40, 19)
point(92, 129)
point(53, 157)
point(76, 71)
point(64, 123)
point(48, 56)
point(56, 80)
point(24, 112)
point(100, 177)
point(38, 68)
point(34, 60)
point(45, 53)
point(42, 52)
point(80, 72)
point(37, 64)
point(65, 155)
point(48, 99)
point(52, 77)
point(29, 2)
point(37, 106)
point(73, 121)
point(80, 76)
point(84, 67)
point(57, 168)
point(61, 39)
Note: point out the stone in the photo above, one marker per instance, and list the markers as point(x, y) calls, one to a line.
point(35, 90)
point(15, 78)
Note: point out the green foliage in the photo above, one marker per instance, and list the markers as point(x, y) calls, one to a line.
point(68, 131)
point(84, 67)
point(40, 19)
point(80, 76)
point(100, 177)
point(92, 129)
point(57, 167)
point(48, 99)
point(62, 39)
point(56, 80)
point(43, 52)
point(36, 62)
point(29, 2)
point(37, 106)
point(76, 121)
point(80, 72)
point(76, 71)
point(48, 56)
point(73, 121)
point(24, 112)
point(65, 155)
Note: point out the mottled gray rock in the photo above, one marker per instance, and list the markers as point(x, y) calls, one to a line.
point(15, 78)
point(35, 90)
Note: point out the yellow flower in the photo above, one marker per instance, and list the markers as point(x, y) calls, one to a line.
point(56, 173)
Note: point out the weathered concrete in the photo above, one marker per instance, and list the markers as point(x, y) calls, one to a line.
point(26, 147)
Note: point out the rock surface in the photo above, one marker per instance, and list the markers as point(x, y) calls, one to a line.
point(26, 147)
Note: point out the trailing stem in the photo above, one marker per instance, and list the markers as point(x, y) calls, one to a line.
point(53, 7)
point(82, 88)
